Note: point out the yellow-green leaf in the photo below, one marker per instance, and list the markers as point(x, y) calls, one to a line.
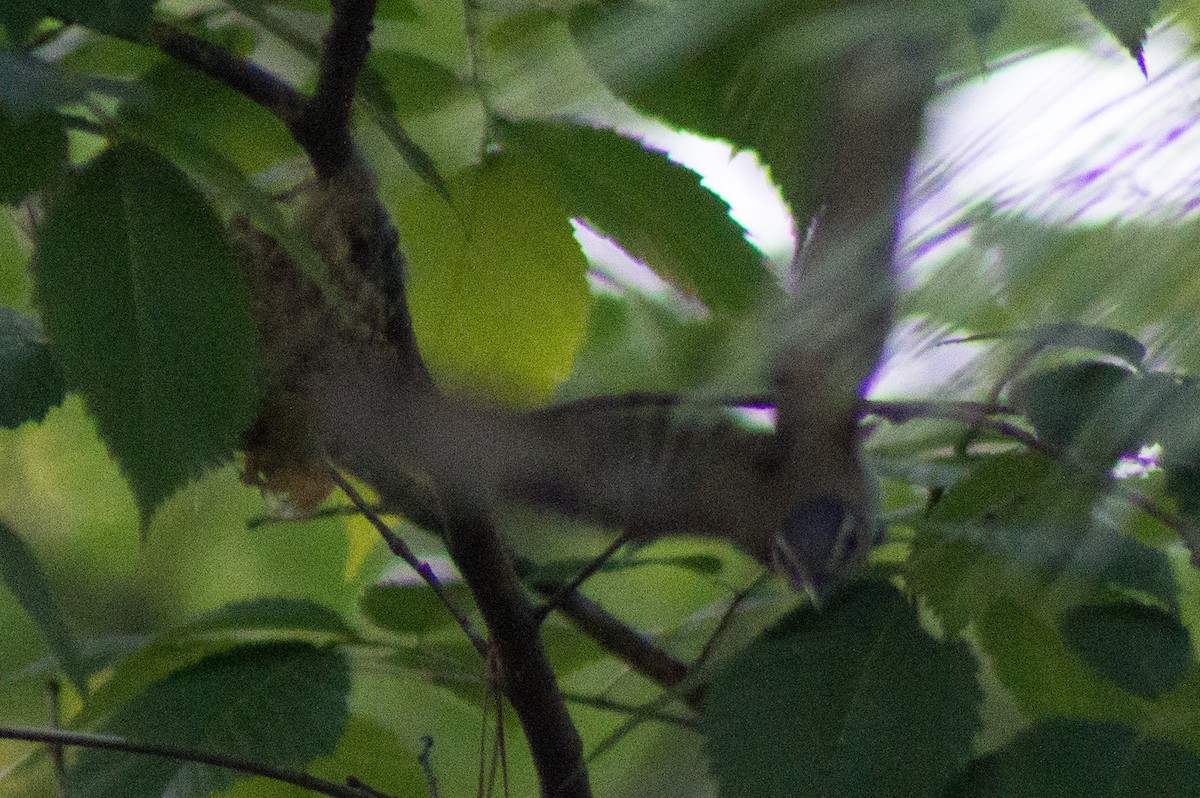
point(497, 283)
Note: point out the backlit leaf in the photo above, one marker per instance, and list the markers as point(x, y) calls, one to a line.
point(119, 17)
point(497, 289)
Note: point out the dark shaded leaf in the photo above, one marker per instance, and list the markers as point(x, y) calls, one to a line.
point(24, 577)
point(657, 210)
point(283, 703)
point(727, 70)
point(1077, 758)
point(1062, 403)
point(149, 312)
point(1127, 21)
point(410, 609)
point(129, 18)
point(1141, 649)
point(20, 16)
point(1027, 653)
point(983, 16)
point(831, 702)
point(368, 751)
point(33, 152)
point(31, 379)
point(1075, 335)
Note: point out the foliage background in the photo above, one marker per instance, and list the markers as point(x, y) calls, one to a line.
point(1025, 605)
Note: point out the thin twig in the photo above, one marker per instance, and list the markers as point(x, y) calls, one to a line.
point(584, 574)
point(427, 767)
point(110, 742)
point(396, 544)
point(529, 681)
point(726, 618)
point(629, 709)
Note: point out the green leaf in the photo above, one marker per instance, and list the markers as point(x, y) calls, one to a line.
point(1074, 335)
point(24, 577)
point(832, 702)
point(270, 614)
point(128, 18)
point(149, 312)
point(726, 70)
point(219, 174)
point(1142, 649)
point(410, 609)
point(204, 108)
point(33, 152)
point(31, 379)
point(283, 703)
point(657, 210)
point(271, 618)
point(20, 17)
point(1081, 759)
point(1062, 402)
point(498, 291)
point(413, 84)
point(367, 751)
point(1043, 675)
point(1127, 21)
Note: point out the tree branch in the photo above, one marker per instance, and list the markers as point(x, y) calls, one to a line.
point(616, 637)
point(529, 681)
point(324, 127)
point(114, 743)
point(245, 77)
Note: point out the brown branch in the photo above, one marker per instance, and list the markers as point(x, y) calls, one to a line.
point(320, 124)
point(110, 742)
point(245, 77)
point(323, 130)
point(616, 637)
point(529, 682)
